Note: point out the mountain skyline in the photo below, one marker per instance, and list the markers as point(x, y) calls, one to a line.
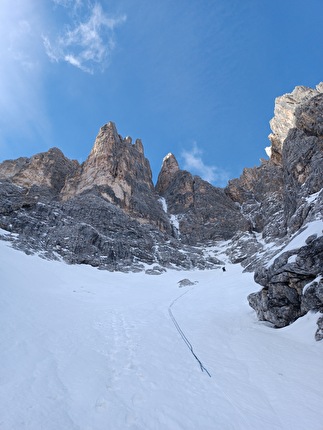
point(196, 80)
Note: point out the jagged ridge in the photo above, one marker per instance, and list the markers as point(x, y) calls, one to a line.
point(107, 212)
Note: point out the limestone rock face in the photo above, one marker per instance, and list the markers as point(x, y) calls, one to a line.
point(284, 117)
point(106, 212)
point(204, 212)
point(319, 331)
point(87, 229)
point(298, 127)
point(169, 168)
point(259, 192)
point(283, 299)
point(48, 169)
point(112, 163)
point(280, 196)
point(119, 171)
point(303, 162)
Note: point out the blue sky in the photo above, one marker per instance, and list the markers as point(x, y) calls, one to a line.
point(195, 78)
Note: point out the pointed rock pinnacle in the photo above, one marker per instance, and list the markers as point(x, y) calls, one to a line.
point(169, 168)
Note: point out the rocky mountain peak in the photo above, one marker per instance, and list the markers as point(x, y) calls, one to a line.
point(47, 169)
point(139, 146)
point(203, 212)
point(170, 163)
point(106, 141)
point(114, 164)
point(107, 212)
point(119, 172)
point(284, 120)
point(169, 168)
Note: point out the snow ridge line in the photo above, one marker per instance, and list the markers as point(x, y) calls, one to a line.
point(182, 334)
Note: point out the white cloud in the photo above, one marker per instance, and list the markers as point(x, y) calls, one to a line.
point(85, 44)
point(72, 60)
point(193, 163)
point(68, 3)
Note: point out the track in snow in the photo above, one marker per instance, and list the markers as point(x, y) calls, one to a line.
point(85, 349)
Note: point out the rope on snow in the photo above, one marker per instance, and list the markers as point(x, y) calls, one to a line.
point(182, 334)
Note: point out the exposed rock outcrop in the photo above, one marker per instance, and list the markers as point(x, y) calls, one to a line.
point(319, 331)
point(284, 118)
point(106, 211)
point(46, 170)
point(90, 230)
point(283, 298)
point(259, 192)
point(119, 171)
point(204, 212)
point(166, 175)
point(299, 142)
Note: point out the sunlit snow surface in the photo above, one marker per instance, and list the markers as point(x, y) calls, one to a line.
point(83, 349)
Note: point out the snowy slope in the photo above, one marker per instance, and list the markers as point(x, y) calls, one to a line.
point(83, 349)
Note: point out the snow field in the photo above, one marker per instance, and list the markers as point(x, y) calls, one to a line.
point(83, 349)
